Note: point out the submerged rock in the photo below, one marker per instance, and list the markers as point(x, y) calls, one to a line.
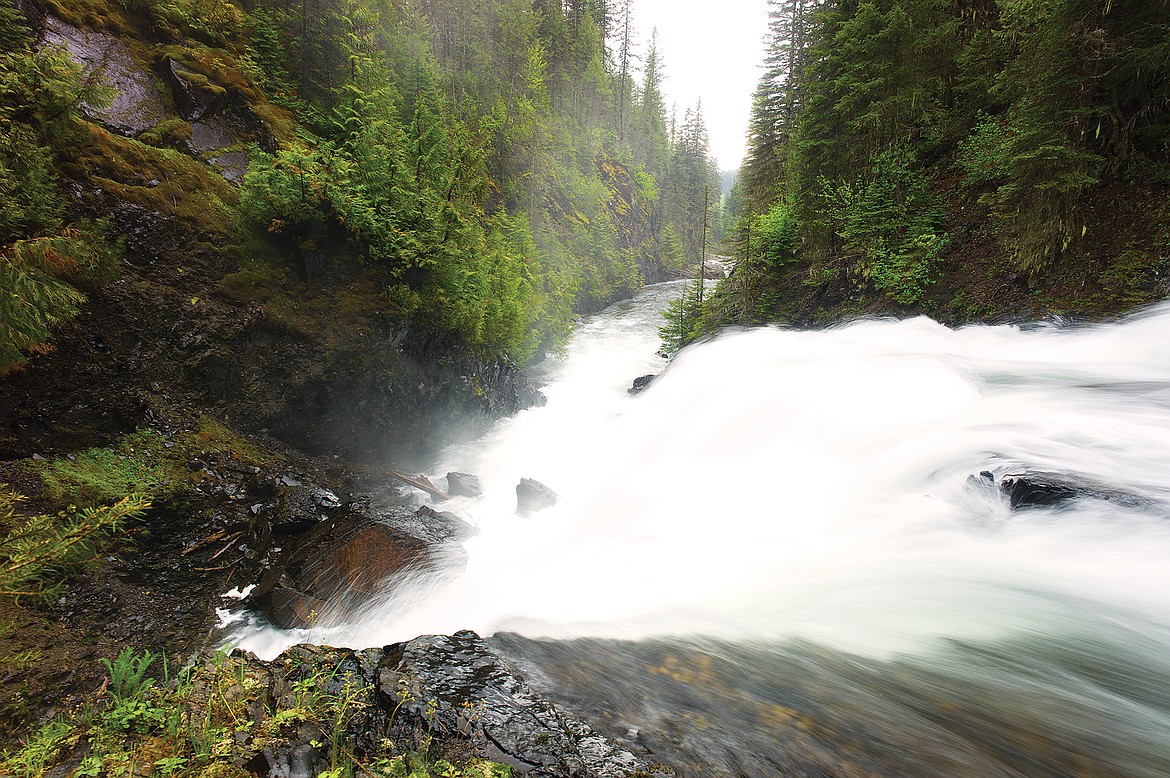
point(641, 383)
point(1040, 489)
point(1035, 491)
point(333, 569)
point(533, 496)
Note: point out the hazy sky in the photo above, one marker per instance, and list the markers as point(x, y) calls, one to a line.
point(713, 51)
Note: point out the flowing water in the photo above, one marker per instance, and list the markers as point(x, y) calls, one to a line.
point(782, 557)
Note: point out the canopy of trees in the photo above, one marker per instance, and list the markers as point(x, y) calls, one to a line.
point(499, 157)
point(880, 125)
point(506, 163)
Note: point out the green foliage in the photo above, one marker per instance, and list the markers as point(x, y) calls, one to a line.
point(34, 299)
point(890, 226)
point(38, 552)
point(264, 57)
point(868, 108)
point(28, 184)
point(776, 236)
point(137, 463)
point(687, 319)
point(1038, 177)
point(39, 94)
point(193, 725)
point(40, 91)
point(471, 151)
point(41, 750)
point(216, 22)
point(14, 30)
point(132, 709)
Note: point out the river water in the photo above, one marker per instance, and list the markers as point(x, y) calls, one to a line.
point(781, 558)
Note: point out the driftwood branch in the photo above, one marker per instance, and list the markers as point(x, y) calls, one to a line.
point(422, 483)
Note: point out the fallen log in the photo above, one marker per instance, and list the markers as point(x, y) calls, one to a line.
point(422, 483)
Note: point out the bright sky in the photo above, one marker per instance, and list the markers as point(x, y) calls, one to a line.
point(711, 51)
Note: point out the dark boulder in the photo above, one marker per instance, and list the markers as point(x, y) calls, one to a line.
point(455, 684)
point(1042, 489)
point(1035, 491)
point(533, 496)
point(330, 571)
point(463, 485)
point(196, 96)
point(641, 383)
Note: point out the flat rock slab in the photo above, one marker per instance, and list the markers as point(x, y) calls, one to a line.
point(455, 683)
point(137, 105)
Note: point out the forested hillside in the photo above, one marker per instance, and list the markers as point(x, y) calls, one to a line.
point(499, 165)
point(970, 160)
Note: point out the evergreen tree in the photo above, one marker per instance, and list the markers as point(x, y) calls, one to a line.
point(776, 101)
point(626, 57)
point(37, 552)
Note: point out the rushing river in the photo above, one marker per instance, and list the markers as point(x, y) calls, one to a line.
point(781, 558)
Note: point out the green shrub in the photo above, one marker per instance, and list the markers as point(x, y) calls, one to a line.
point(889, 225)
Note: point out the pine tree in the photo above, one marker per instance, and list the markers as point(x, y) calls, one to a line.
point(38, 552)
point(776, 102)
point(626, 57)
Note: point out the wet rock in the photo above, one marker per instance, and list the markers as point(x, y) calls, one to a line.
point(232, 165)
point(436, 526)
point(1035, 491)
point(402, 391)
point(196, 96)
point(149, 234)
point(1039, 489)
point(463, 485)
point(218, 142)
point(641, 383)
point(449, 695)
point(334, 569)
point(136, 105)
point(455, 684)
point(324, 499)
point(533, 496)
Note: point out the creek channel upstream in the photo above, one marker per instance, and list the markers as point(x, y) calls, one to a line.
point(796, 552)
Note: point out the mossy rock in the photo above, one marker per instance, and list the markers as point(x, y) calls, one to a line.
point(197, 97)
point(162, 180)
point(173, 133)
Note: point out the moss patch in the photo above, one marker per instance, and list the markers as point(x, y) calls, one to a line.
point(162, 180)
point(146, 461)
point(137, 464)
point(98, 14)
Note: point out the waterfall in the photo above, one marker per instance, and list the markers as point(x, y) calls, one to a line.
point(837, 489)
